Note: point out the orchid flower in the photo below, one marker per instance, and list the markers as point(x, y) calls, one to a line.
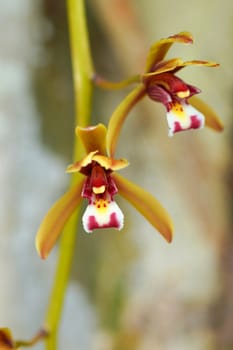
point(162, 85)
point(98, 183)
point(159, 81)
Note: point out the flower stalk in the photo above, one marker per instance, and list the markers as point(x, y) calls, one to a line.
point(82, 73)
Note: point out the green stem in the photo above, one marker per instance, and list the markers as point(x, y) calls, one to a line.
point(82, 73)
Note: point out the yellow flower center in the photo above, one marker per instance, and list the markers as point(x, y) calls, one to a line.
point(178, 110)
point(101, 205)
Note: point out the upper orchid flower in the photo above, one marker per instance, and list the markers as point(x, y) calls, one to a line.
point(159, 81)
point(99, 185)
point(162, 85)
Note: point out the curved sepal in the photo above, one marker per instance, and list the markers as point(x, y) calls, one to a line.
point(55, 220)
point(200, 63)
point(163, 67)
point(110, 163)
point(77, 166)
point(174, 65)
point(118, 117)
point(106, 162)
point(93, 137)
point(211, 118)
point(159, 50)
point(146, 204)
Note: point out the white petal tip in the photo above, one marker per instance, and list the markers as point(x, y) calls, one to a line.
point(102, 215)
point(184, 117)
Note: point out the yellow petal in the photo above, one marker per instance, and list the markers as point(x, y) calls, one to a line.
point(77, 166)
point(93, 138)
point(196, 63)
point(211, 118)
point(56, 218)
point(146, 204)
point(161, 47)
point(176, 64)
point(110, 163)
point(200, 63)
point(118, 117)
point(165, 66)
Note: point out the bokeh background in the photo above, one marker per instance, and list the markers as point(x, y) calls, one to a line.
point(129, 290)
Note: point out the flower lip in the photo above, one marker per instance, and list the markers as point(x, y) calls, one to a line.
point(102, 214)
point(182, 116)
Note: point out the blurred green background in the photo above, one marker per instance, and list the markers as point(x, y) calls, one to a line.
point(129, 290)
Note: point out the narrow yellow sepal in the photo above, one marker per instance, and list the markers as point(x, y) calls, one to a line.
point(56, 218)
point(165, 66)
point(147, 205)
point(159, 49)
point(212, 120)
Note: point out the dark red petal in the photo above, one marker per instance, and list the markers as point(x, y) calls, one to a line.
point(159, 94)
point(193, 90)
point(98, 177)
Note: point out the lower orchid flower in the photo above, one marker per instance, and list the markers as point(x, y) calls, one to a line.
point(99, 184)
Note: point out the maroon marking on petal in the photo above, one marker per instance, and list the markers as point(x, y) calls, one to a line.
point(195, 122)
point(87, 190)
point(93, 224)
point(177, 127)
point(186, 38)
point(112, 189)
point(113, 221)
point(159, 94)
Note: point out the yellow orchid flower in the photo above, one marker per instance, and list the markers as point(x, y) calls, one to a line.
point(99, 184)
point(159, 81)
point(162, 85)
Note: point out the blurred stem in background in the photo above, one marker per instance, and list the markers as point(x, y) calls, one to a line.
point(82, 73)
